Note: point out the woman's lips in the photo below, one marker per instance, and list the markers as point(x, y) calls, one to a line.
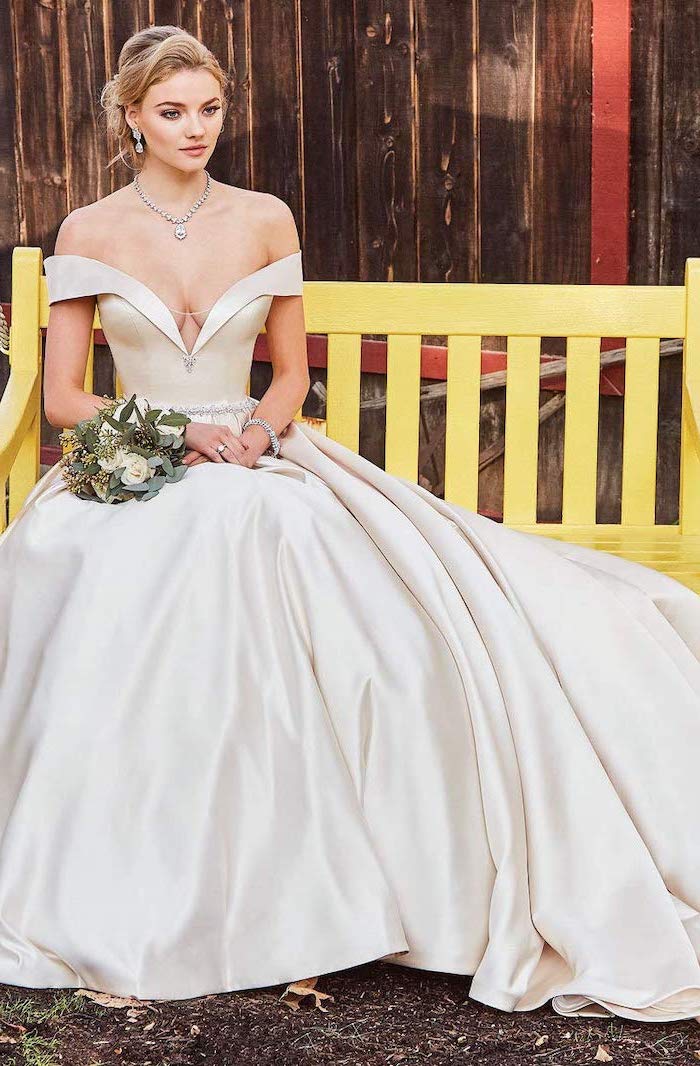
point(193, 150)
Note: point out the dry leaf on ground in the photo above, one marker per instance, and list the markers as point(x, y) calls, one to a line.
point(107, 1000)
point(295, 992)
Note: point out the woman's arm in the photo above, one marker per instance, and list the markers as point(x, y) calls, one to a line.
point(68, 340)
point(286, 337)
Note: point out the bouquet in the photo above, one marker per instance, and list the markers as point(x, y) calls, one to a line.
point(127, 451)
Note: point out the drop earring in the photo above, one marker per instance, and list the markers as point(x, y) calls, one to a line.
point(136, 134)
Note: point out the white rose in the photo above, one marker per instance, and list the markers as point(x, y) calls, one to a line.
point(121, 456)
point(177, 431)
point(137, 469)
point(112, 464)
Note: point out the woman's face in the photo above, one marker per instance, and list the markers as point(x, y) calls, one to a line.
point(183, 111)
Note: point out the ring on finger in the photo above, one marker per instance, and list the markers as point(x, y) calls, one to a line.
point(221, 447)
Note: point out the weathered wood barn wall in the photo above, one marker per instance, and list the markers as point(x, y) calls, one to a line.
point(429, 140)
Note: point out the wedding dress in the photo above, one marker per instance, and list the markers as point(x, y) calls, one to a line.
point(283, 720)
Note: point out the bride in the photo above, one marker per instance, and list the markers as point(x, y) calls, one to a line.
point(299, 714)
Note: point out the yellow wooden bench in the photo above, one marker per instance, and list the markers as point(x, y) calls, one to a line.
point(405, 311)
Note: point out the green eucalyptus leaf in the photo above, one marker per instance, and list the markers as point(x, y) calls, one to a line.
point(126, 411)
point(175, 418)
point(116, 477)
point(113, 422)
point(142, 420)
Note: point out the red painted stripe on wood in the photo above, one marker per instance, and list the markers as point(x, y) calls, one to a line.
point(610, 152)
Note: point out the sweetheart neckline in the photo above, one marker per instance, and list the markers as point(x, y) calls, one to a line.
point(154, 295)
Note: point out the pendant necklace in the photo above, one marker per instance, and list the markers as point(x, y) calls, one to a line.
point(180, 232)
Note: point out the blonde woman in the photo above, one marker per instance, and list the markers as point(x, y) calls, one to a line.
point(295, 714)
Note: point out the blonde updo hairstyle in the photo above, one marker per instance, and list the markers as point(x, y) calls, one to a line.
point(148, 57)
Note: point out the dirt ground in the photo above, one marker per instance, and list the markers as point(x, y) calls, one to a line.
point(379, 1013)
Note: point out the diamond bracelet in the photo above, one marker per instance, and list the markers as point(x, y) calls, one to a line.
point(274, 439)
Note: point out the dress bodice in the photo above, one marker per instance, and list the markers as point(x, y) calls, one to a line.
point(148, 349)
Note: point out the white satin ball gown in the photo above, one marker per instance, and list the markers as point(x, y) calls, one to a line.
point(280, 721)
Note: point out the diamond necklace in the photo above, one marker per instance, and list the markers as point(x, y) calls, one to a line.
point(180, 232)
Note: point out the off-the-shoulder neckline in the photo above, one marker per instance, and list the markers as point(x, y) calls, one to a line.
point(117, 270)
point(161, 303)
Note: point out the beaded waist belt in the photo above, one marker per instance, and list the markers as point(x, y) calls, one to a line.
point(219, 407)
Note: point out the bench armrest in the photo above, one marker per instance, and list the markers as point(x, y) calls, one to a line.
point(18, 407)
point(692, 400)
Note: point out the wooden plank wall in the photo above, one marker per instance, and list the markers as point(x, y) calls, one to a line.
point(413, 140)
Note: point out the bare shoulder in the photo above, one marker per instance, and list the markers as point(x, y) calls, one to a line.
point(80, 231)
point(278, 226)
point(73, 233)
point(272, 220)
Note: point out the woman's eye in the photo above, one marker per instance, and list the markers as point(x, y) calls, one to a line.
point(211, 108)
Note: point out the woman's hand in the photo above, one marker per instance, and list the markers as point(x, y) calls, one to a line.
point(244, 449)
point(203, 439)
point(257, 440)
point(192, 457)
